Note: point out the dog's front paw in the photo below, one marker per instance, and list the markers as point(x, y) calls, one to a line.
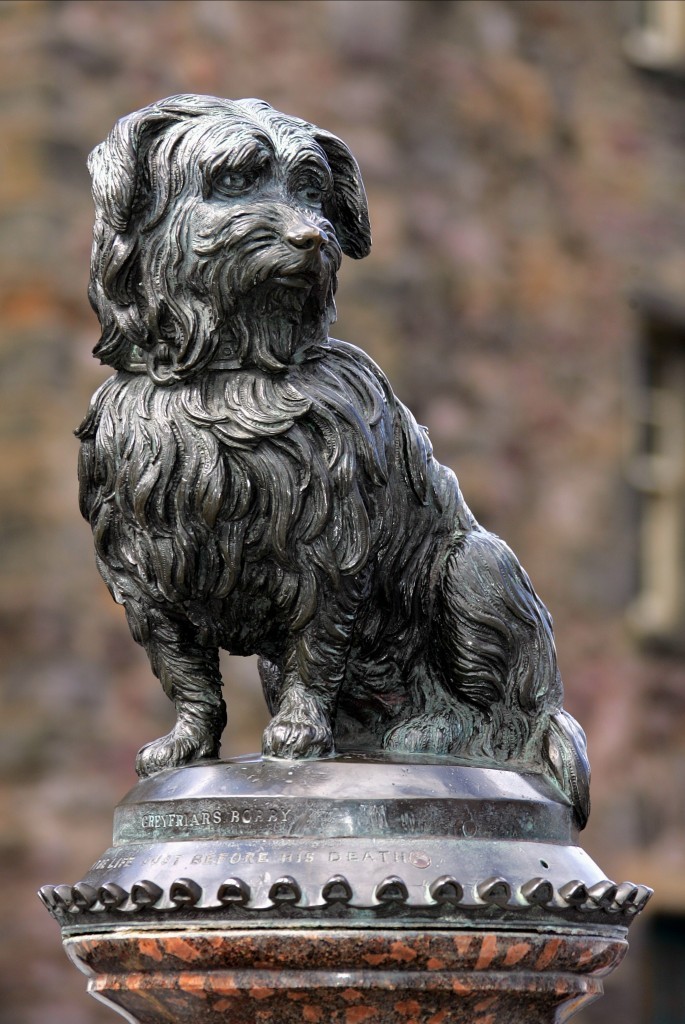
point(297, 733)
point(183, 744)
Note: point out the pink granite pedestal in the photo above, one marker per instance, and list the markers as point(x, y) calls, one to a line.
point(388, 976)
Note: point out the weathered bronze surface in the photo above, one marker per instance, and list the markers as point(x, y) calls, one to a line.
point(255, 485)
point(406, 847)
point(345, 842)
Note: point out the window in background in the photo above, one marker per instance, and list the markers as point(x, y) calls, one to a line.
point(656, 469)
point(655, 40)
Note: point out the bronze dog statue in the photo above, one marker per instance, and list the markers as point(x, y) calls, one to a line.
point(256, 486)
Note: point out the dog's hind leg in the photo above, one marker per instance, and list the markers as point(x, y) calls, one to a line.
point(497, 651)
point(436, 723)
point(495, 635)
point(189, 673)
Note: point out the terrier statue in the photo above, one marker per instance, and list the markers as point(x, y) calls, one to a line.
point(255, 485)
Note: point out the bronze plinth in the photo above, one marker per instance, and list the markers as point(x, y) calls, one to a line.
point(355, 888)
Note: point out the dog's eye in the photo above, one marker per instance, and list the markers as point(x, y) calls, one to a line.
point(311, 191)
point(236, 183)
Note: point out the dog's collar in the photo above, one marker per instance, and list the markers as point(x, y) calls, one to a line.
point(309, 352)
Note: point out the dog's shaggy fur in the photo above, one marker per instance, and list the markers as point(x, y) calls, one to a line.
point(256, 486)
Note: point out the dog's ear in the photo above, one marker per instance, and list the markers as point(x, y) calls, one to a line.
point(115, 165)
point(125, 182)
point(350, 215)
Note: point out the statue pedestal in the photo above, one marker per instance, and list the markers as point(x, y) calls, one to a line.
point(346, 976)
point(355, 889)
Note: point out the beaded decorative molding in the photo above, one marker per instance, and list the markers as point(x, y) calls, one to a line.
point(604, 902)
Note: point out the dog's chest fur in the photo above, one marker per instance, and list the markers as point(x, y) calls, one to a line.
point(300, 478)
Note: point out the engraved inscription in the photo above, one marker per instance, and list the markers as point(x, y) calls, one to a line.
point(414, 857)
point(227, 854)
point(231, 816)
point(161, 860)
point(256, 816)
point(253, 857)
point(175, 819)
point(231, 857)
point(110, 863)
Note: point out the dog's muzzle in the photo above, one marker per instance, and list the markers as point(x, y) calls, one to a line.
point(313, 251)
point(306, 237)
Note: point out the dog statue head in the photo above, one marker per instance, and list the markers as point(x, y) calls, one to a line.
point(219, 230)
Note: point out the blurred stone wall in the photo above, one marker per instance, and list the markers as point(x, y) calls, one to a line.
point(522, 178)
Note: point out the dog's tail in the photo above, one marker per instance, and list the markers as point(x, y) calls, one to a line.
point(565, 751)
point(499, 658)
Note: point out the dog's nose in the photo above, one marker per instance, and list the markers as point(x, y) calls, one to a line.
point(306, 236)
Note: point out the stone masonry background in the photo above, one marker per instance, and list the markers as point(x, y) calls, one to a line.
point(523, 179)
